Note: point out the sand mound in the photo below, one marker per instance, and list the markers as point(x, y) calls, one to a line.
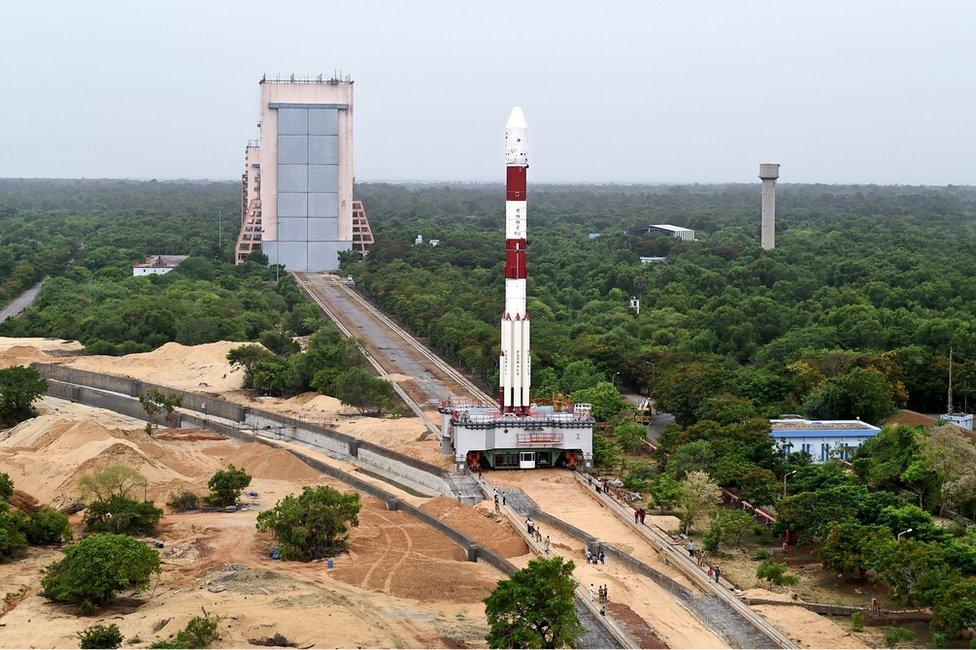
point(262, 461)
point(197, 367)
point(58, 346)
point(22, 355)
point(475, 523)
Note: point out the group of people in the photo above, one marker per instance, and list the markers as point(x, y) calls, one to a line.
point(699, 554)
point(496, 500)
point(601, 486)
point(639, 515)
point(536, 533)
point(602, 595)
point(595, 558)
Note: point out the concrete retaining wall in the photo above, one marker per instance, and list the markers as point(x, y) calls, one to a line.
point(662, 580)
point(395, 465)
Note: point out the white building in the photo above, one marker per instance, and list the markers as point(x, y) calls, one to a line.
point(652, 259)
point(964, 420)
point(822, 439)
point(685, 234)
point(158, 264)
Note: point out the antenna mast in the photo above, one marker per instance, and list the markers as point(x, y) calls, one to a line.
point(949, 410)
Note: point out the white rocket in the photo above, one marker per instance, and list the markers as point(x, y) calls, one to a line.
point(515, 362)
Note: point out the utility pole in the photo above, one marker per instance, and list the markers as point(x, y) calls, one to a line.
point(949, 408)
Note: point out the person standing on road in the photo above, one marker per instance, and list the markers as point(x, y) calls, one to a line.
point(691, 548)
point(636, 515)
point(503, 498)
point(606, 594)
point(547, 544)
point(718, 574)
point(591, 592)
point(496, 503)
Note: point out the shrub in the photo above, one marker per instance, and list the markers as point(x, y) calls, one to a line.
point(775, 574)
point(13, 542)
point(47, 526)
point(857, 622)
point(122, 515)
point(113, 481)
point(94, 569)
point(200, 632)
point(101, 636)
point(761, 554)
point(898, 635)
point(368, 394)
point(714, 537)
point(313, 524)
point(19, 388)
point(183, 501)
point(6, 487)
point(226, 485)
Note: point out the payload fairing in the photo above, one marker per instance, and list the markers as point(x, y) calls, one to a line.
point(515, 361)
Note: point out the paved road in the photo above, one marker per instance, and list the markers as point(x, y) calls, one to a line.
point(392, 352)
point(661, 420)
point(21, 302)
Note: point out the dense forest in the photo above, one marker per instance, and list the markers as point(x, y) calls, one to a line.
point(852, 315)
point(869, 281)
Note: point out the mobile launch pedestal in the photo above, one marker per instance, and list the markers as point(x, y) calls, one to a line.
point(517, 433)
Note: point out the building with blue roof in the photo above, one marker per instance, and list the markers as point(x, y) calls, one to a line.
point(822, 439)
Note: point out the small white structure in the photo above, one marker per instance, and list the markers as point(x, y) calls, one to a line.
point(635, 304)
point(419, 240)
point(652, 259)
point(822, 439)
point(158, 264)
point(594, 235)
point(686, 234)
point(964, 420)
point(435, 242)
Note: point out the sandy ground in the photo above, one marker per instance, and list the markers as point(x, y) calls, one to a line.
point(52, 346)
point(402, 583)
point(405, 434)
point(558, 492)
point(198, 367)
point(808, 629)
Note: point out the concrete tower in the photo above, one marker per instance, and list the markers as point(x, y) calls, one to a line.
point(768, 173)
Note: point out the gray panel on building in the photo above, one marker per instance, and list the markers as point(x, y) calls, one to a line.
point(323, 178)
point(325, 254)
point(292, 178)
point(292, 204)
point(294, 255)
point(292, 229)
point(323, 150)
point(323, 205)
point(292, 149)
point(323, 229)
point(292, 121)
point(323, 121)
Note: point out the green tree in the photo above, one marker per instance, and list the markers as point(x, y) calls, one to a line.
point(47, 526)
point(122, 515)
point(312, 525)
point(535, 607)
point(13, 542)
point(631, 435)
point(775, 574)
point(19, 388)
point(700, 496)
point(226, 486)
point(6, 488)
point(370, 395)
point(861, 393)
point(734, 524)
point(955, 610)
point(155, 401)
point(606, 452)
point(115, 481)
point(100, 636)
point(604, 398)
point(666, 492)
point(96, 568)
point(848, 547)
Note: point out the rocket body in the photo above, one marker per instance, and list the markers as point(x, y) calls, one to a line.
point(515, 364)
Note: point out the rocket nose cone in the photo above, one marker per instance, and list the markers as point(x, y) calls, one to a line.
point(516, 119)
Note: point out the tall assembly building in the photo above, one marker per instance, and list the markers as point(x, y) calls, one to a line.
point(297, 188)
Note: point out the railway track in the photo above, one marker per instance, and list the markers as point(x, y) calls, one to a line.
point(457, 377)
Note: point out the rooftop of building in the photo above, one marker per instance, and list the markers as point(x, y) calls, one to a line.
point(802, 427)
point(671, 228)
point(161, 261)
point(336, 79)
point(538, 414)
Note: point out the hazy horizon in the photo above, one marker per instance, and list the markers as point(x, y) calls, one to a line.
point(663, 93)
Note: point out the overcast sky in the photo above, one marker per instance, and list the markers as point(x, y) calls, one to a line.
point(837, 92)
